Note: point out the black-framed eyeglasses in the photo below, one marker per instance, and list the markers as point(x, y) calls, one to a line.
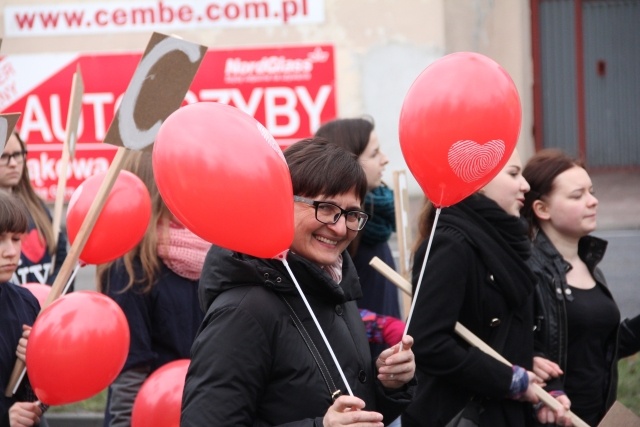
point(329, 213)
point(18, 156)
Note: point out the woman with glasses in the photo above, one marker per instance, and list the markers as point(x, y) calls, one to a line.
point(38, 244)
point(259, 359)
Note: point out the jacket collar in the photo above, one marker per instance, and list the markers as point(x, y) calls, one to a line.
point(591, 250)
point(224, 269)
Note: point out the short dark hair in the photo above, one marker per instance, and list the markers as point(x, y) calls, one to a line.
point(540, 172)
point(319, 167)
point(351, 134)
point(13, 214)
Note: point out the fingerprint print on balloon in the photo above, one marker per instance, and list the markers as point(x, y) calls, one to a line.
point(471, 161)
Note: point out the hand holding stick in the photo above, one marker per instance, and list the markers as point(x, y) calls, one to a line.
point(469, 337)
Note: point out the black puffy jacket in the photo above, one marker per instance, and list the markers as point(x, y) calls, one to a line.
point(250, 365)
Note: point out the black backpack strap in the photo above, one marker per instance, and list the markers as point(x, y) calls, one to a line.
point(334, 392)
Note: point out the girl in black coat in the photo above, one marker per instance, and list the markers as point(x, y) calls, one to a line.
point(578, 337)
point(476, 275)
point(18, 307)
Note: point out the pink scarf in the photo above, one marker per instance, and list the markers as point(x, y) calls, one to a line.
point(181, 250)
point(334, 270)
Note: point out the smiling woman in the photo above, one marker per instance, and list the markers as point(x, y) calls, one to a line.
point(257, 332)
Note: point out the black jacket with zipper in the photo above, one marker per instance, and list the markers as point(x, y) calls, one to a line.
point(250, 365)
point(553, 294)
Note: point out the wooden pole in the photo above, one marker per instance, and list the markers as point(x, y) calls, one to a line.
point(472, 339)
point(68, 149)
point(403, 231)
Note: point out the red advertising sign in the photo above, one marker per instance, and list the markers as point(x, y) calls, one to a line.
point(290, 90)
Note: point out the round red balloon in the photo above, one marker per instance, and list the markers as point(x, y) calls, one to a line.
point(40, 291)
point(122, 222)
point(77, 347)
point(160, 397)
point(459, 124)
point(224, 177)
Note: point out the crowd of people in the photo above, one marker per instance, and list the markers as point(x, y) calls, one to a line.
point(319, 339)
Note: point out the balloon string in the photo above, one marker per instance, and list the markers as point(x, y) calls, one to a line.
point(15, 388)
point(73, 276)
point(315, 320)
point(424, 264)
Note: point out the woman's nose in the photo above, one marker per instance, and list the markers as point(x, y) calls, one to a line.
point(340, 227)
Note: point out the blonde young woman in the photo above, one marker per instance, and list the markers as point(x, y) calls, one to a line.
point(38, 243)
point(156, 285)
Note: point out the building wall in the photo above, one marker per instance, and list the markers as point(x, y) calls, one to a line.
point(381, 47)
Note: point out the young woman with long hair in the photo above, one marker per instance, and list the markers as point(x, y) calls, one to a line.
point(39, 245)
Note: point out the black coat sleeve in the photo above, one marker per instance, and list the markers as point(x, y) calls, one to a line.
point(439, 351)
point(629, 337)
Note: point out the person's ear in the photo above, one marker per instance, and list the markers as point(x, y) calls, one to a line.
point(540, 210)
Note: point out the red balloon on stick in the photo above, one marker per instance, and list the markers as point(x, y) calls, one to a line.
point(224, 177)
point(459, 124)
point(77, 347)
point(160, 397)
point(122, 222)
point(40, 291)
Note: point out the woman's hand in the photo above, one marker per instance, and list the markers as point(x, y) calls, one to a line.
point(21, 351)
point(546, 369)
point(546, 415)
point(397, 365)
point(22, 414)
point(347, 411)
point(530, 395)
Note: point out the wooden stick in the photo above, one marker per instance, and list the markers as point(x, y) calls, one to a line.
point(68, 148)
point(403, 231)
point(472, 339)
point(390, 274)
point(76, 249)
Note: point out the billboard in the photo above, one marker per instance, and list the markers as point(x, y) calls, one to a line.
point(290, 90)
point(64, 18)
